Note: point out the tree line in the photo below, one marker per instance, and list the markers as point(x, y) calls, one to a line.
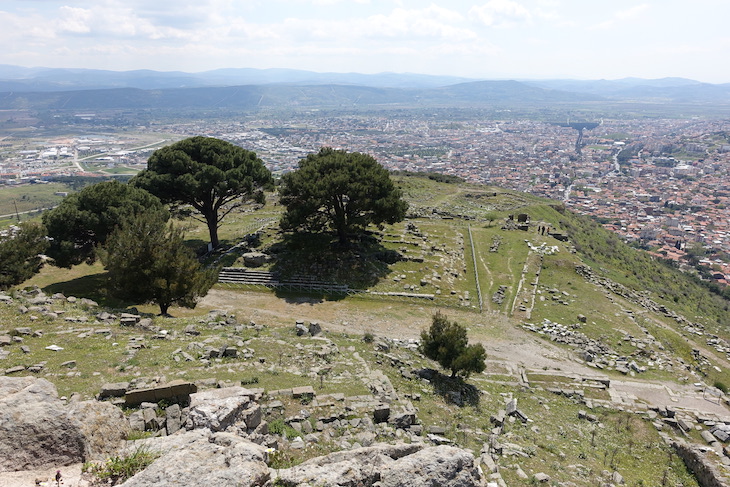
point(129, 228)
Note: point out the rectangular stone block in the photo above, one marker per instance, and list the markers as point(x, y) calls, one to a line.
point(298, 392)
point(177, 389)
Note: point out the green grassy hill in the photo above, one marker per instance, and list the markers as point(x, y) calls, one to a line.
point(558, 316)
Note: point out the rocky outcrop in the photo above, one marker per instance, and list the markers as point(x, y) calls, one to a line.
point(255, 259)
point(36, 429)
point(199, 458)
point(217, 409)
point(439, 465)
point(407, 465)
point(104, 427)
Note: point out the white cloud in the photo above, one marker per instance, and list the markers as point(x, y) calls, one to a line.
point(455, 36)
point(500, 13)
point(623, 16)
point(632, 13)
point(431, 22)
point(75, 20)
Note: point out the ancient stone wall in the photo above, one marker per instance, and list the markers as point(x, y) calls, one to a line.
point(706, 474)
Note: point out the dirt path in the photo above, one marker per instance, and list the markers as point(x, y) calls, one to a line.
point(524, 300)
point(511, 293)
point(487, 299)
point(496, 332)
point(70, 477)
point(502, 340)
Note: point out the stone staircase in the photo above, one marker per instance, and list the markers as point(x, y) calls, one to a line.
point(242, 275)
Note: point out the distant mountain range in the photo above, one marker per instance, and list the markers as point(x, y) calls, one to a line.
point(85, 89)
point(678, 90)
point(16, 78)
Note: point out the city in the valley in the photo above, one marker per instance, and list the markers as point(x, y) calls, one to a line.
point(661, 183)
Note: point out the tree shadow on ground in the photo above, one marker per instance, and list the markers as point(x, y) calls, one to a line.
point(93, 286)
point(197, 245)
point(227, 253)
point(320, 260)
point(454, 390)
point(303, 297)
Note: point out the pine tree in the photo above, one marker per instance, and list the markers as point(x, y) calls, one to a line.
point(147, 261)
point(85, 219)
point(20, 254)
point(339, 191)
point(446, 343)
point(206, 173)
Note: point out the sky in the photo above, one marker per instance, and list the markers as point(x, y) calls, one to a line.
point(488, 39)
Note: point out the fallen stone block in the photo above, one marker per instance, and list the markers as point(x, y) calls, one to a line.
point(177, 390)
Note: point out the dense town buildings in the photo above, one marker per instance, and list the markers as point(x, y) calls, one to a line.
point(660, 183)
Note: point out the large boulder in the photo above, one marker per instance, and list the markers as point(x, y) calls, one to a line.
point(408, 465)
point(255, 259)
point(104, 426)
point(36, 429)
point(217, 409)
point(443, 466)
point(198, 458)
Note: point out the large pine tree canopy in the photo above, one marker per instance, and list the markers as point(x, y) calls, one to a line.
point(338, 191)
point(209, 174)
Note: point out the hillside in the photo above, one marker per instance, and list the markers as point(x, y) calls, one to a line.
point(25, 87)
point(16, 78)
point(598, 357)
point(256, 97)
point(66, 91)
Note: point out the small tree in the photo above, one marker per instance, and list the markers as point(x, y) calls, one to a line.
point(490, 216)
point(20, 254)
point(446, 343)
point(339, 191)
point(206, 173)
point(147, 261)
point(85, 219)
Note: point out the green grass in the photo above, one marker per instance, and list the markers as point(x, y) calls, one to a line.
point(447, 267)
point(29, 197)
point(568, 450)
point(560, 439)
point(119, 468)
point(119, 170)
point(282, 361)
point(83, 280)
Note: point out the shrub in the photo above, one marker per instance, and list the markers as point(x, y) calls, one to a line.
point(281, 459)
point(279, 427)
point(119, 469)
point(446, 343)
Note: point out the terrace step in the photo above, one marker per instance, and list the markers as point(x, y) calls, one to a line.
point(242, 275)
